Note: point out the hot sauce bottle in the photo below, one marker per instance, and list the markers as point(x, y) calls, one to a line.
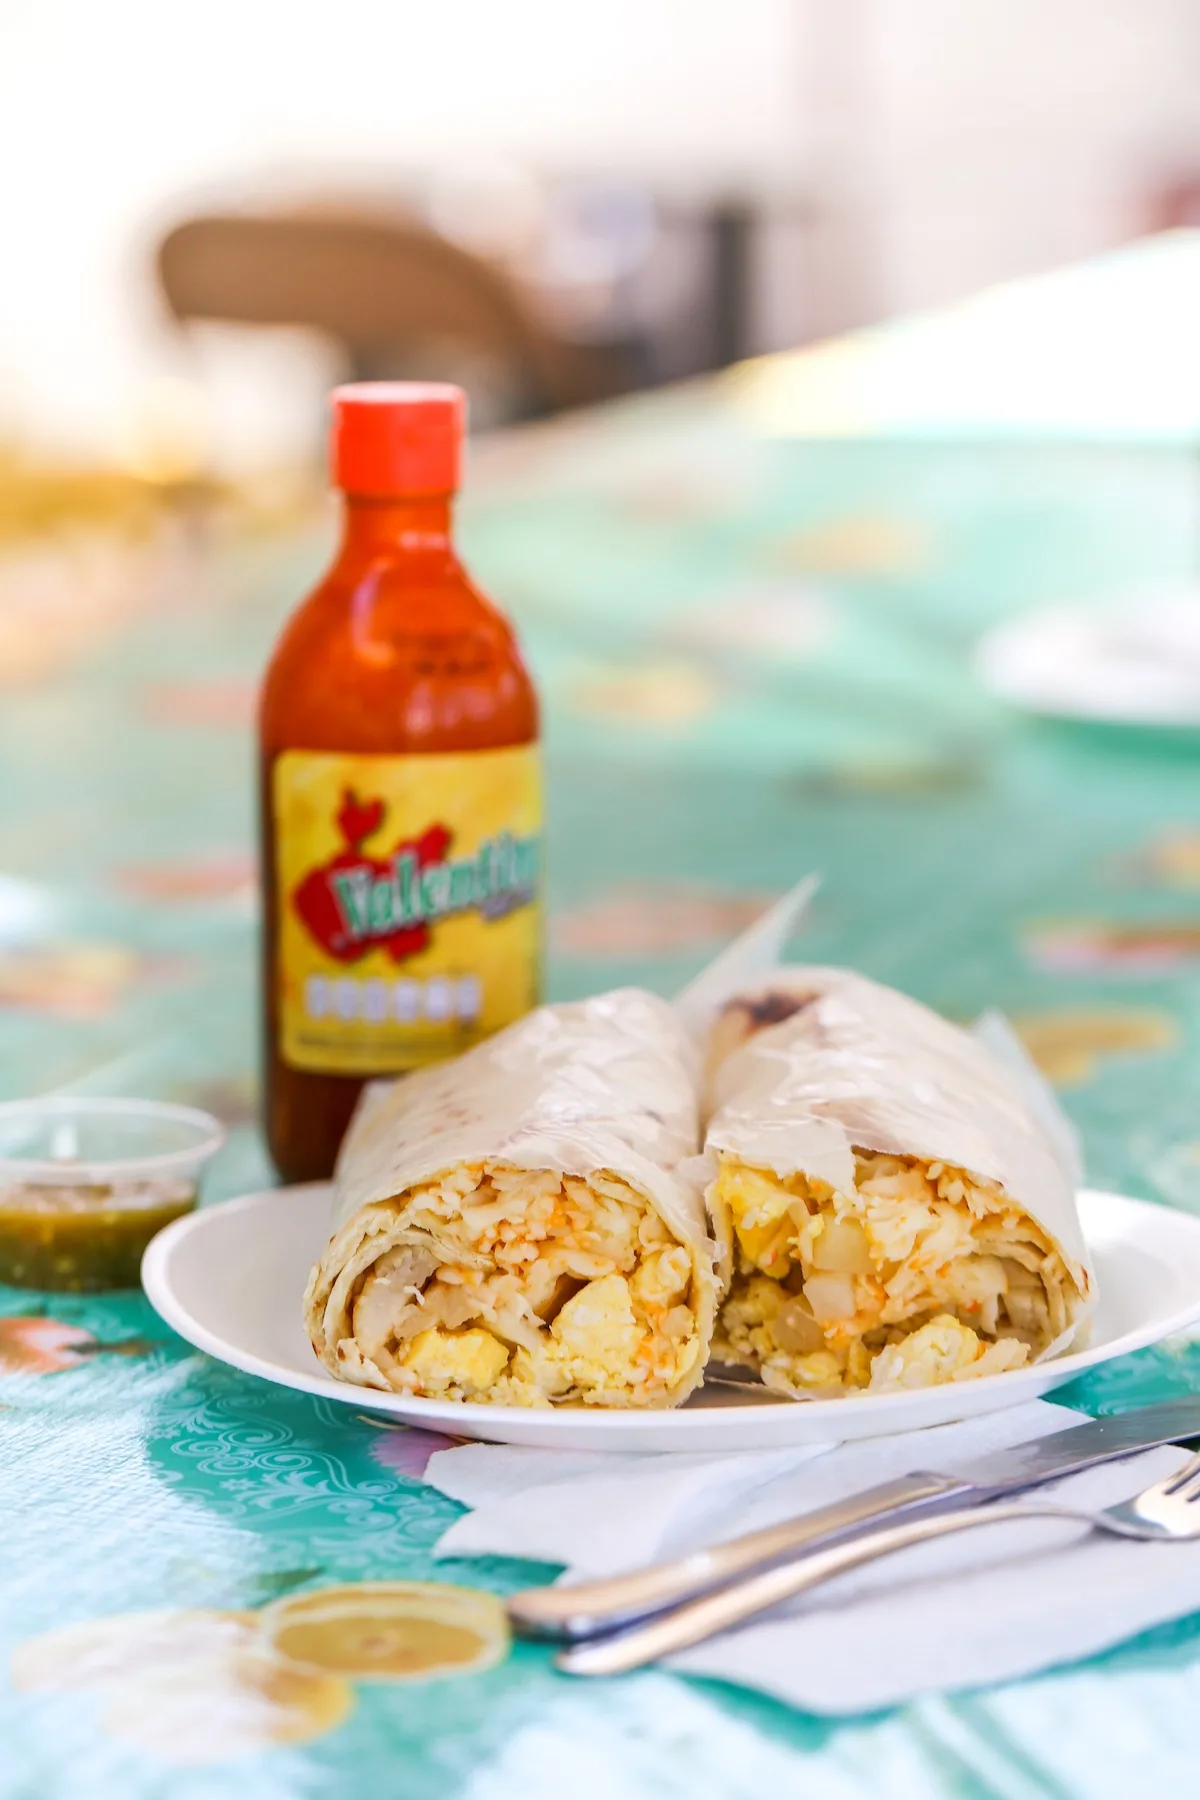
point(400, 791)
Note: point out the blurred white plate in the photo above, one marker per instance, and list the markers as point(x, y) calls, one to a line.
point(1138, 664)
point(229, 1279)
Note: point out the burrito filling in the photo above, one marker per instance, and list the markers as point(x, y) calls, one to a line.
point(924, 1274)
point(522, 1288)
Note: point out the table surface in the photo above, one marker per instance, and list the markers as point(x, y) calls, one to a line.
point(754, 650)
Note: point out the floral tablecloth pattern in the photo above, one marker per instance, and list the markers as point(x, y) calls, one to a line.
point(755, 657)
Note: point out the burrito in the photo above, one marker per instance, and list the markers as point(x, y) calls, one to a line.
point(519, 1226)
point(893, 1212)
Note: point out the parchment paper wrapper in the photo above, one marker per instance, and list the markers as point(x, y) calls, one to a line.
point(534, 1192)
point(809, 1069)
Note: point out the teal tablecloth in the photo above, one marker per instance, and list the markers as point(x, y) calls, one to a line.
point(755, 657)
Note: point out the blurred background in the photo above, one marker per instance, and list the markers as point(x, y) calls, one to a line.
point(812, 347)
point(205, 225)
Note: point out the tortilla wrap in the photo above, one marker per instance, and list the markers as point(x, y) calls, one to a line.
point(516, 1226)
point(892, 1208)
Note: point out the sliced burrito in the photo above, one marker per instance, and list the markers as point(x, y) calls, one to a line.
point(515, 1226)
point(894, 1213)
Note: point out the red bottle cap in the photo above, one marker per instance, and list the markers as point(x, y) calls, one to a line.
point(392, 438)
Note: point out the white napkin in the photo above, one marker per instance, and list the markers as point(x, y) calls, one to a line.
point(984, 1606)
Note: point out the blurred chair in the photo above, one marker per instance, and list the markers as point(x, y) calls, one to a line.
point(1175, 205)
point(398, 299)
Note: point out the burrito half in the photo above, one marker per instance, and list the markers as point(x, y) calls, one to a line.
point(893, 1212)
point(514, 1226)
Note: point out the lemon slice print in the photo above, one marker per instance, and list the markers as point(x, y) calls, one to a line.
point(188, 1687)
point(390, 1630)
point(125, 1646)
point(251, 1701)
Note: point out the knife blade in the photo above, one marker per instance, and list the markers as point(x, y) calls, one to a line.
point(587, 1608)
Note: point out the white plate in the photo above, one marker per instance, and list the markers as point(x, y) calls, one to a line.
point(229, 1279)
point(1134, 664)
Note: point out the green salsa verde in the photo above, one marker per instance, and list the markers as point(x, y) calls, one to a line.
point(82, 1239)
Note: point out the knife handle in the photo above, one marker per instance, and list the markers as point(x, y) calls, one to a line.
point(697, 1620)
point(587, 1608)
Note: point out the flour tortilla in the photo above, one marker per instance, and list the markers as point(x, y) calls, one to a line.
point(591, 1087)
point(809, 1063)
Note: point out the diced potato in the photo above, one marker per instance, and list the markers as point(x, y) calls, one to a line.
point(795, 1329)
point(842, 1248)
point(831, 1297)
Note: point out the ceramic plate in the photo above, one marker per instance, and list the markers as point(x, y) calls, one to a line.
point(1138, 664)
point(229, 1279)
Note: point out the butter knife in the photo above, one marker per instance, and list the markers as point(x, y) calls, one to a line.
point(588, 1608)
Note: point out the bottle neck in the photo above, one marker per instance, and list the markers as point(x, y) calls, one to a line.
point(418, 523)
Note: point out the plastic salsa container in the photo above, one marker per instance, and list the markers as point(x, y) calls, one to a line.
point(86, 1183)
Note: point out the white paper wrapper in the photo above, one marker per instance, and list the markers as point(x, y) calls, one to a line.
point(753, 955)
point(996, 1034)
point(606, 1086)
point(809, 1064)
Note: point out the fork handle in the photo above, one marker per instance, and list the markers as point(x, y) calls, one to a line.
point(704, 1618)
point(588, 1608)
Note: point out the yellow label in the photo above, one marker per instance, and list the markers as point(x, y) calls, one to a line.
point(409, 904)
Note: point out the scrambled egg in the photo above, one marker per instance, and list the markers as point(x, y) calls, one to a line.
point(923, 1274)
point(524, 1288)
point(466, 1360)
point(943, 1350)
point(595, 1346)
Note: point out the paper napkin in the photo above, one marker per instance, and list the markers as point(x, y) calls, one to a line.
point(984, 1606)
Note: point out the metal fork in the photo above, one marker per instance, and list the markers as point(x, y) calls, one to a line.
point(1168, 1510)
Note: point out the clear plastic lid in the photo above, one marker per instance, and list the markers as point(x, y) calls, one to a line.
point(104, 1142)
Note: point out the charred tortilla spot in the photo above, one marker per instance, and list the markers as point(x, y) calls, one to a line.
point(771, 1008)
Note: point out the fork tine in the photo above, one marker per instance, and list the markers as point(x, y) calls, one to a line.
point(1186, 1481)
